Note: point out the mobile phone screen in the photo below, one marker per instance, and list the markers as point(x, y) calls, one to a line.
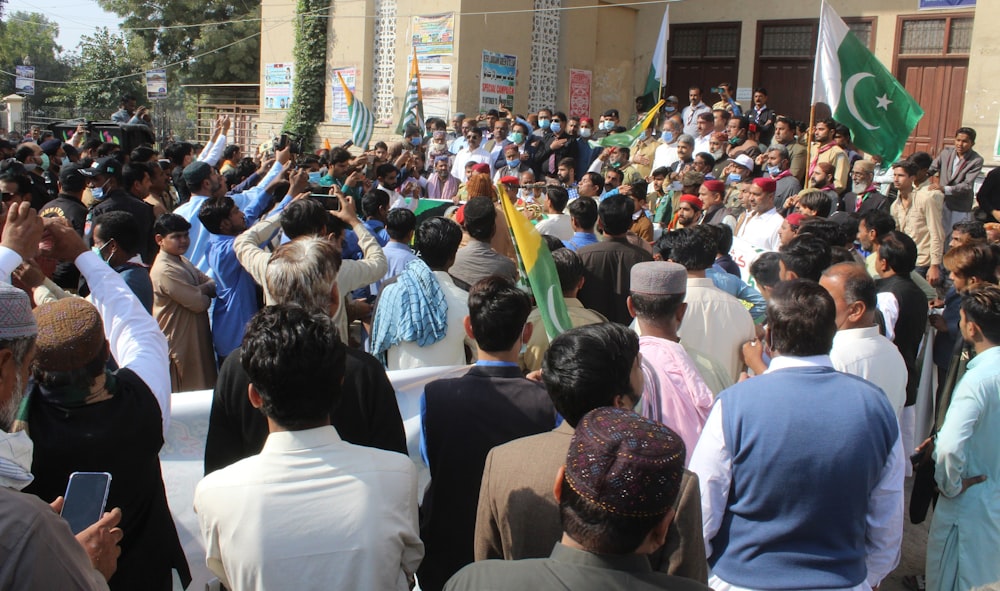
point(86, 495)
point(329, 202)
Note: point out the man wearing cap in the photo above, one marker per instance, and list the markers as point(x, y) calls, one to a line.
point(777, 162)
point(763, 221)
point(616, 493)
point(715, 212)
point(736, 172)
point(40, 550)
point(801, 468)
point(206, 183)
point(688, 213)
point(105, 181)
point(53, 150)
point(68, 206)
point(865, 195)
point(825, 149)
point(674, 393)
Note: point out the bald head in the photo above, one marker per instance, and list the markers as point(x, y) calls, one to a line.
point(853, 292)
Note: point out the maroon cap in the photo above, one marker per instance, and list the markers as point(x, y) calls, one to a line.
point(693, 200)
point(715, 186)
point(767, 184)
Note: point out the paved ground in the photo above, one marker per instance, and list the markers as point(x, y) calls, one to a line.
point(914, 548)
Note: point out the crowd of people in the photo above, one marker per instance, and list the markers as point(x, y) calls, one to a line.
point(733, 407)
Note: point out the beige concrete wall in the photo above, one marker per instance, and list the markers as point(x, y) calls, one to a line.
point(982, 96)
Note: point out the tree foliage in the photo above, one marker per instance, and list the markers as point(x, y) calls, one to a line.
point(30, 34)
point(103, 72)
point(309, 92)
point(166, 39)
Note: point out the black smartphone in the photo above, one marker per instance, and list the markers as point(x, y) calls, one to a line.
point(85, 498)
point(329, 202)
point(347, 144)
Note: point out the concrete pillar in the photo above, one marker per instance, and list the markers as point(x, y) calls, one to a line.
point(15, 111)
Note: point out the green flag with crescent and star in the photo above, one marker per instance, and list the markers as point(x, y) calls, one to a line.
point(861, 92)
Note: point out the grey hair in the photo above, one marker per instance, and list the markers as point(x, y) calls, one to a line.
point(19, 348)
point(781, 150)
point(304, 272)
point(685, 139)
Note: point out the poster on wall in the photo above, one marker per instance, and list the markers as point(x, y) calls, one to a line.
point(434, 35)
point(931, 4)
point(496, 83)
point(278, 85)
point(339, 114)
point(24, 79)
point(579, 92)
point(435, 83)
point(156, 84)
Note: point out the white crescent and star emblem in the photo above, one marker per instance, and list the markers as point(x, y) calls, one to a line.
point(551, 304)
point(852, 82)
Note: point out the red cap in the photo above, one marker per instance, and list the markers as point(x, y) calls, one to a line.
point(714, 186)
point(795, 219)
point(509, 180)
point(693, 200)
point(482, 168)
point(766, 183)
point(460, 214)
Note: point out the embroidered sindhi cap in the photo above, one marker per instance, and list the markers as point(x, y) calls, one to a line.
point(625, 464)
point(658, 278)
point(16, 321)
point(70, 334)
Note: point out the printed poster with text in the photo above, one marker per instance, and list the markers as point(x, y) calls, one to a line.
point(434, 35)
point(339, 114)
point(278, 85)
point(435, 83)
point(579, 92)
point(24, 79)
point(156, 84)
point(497, 81)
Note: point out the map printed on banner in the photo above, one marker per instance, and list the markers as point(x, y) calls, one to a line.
point(24, 80)
point(278, 85)
point(156, 84)
point(497, 81)
point(579, 92)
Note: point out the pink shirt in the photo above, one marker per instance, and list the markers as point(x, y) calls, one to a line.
point(674, 393)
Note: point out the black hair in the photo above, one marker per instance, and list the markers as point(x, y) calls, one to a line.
point(498, 310)
point(596, 179)
point(558, 197)
point(761, 90)
point(975, 230)
point(399, 223)
point(766, 270)
point(384, 169)
point(662, 171)
point(656, 308)
point(616, 214)
point(909, 166)
point(708, 158)
point(817, 201)
point(981, 304)
point(480, 218)
point(584, 212)
point(380, 145)
point(807, 255)
point(879, 221)
point(723, 236)
point(230, 151)
point(568, 162)
point(373, 201)
point(553, 243)
point(694, 248)
point(214, 211)
point(569, 267)
point(802, 318)
point(132, 173)
point(923, 160)
point(600, 531)
point(304, 217)
point(107, 149)
point(338, 155)
point(840, 254)
point(967, 131)
point(119, 226)
point(177, 152)
point(169, 223)
point(294, 363)
point(830, 231)
point(899, 251)
point(585, 368)
point(142, 154)
point(437, 240)
point(24, 152)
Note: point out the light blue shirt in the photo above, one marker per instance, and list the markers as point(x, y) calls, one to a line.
point(737, 288)
point(579, 240)
point(236, 300)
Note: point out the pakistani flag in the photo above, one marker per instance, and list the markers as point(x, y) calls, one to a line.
point(362, 120)
point(413, 103)
point(538, 265)
point(862, 94)
point(658, 67)
point(627, 138)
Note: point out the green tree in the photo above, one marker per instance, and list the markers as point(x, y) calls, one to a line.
point(31, 35)
point(159, 26)
point(308, 94)
point(107, 67)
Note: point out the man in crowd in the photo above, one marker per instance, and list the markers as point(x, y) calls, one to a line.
point(825, 149)
point(689, 115)
point(689, 208)
point(704, 130)
point(463, 418)
point(349, 512)
point(711, 195)
point(785, 184)
point(864, 196)
point(583, 213)
point(68, 206)
point(556, 223)
point(784, 136)
point(477, 259)
point(666, 152)
point(801, 426)
point(918, 215)
point(112, 190)
point(471, 152)
point(957, 168)
point(763, 221)
point(822, 179)
point(737, 129)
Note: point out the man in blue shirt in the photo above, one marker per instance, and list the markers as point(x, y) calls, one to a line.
point(400, 225)
point(236, 290)
point(583, 218)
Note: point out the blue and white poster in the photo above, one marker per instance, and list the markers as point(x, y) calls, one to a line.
point(497, 81)
point(931, 4)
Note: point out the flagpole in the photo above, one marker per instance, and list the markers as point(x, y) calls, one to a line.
point(809, 136)
point(812, 97)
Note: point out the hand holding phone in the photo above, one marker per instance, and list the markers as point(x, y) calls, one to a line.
point(86, 495)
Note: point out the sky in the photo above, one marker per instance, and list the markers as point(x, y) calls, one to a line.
point(74, 17)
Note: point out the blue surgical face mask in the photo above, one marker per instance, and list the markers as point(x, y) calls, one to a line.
point(517, 137)
point(544, 123)
point(774, 170)
point(513, 163)
point(733, 178)
point(555, 127)
point(416, 141)
point(669, 109)
point(314, 177)
point(668, 136)
point(45, 162)
point(642, 136)
point(607, 125)
point(97, 193)
point(585, 132)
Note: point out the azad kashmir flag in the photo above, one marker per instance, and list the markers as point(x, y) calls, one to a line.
point(362, 120)
point(862, 94)
point(627, 138)
point(413, 102)
point(538, 265)
point(658, 67)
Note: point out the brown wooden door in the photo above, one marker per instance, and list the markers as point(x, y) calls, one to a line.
point(938, 84)
point(789, 86)
point(682, 75)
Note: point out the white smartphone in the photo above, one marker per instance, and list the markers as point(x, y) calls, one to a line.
point(85, 498)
